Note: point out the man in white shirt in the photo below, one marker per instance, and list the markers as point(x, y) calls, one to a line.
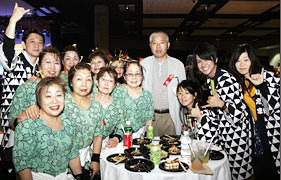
point(157, 70)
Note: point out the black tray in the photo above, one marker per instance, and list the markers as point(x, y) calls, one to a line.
point(169, 143)
point(180, 169)
point(137, 142)
point(144, 165)
point(109, 158)
point(216, 155)
point(130, 150)
point(163, 137)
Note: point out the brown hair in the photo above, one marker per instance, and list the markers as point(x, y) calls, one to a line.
point(98, 53)
point(47, 82)
point(49, 50)
point(110, 70)
point(69, 48)
point(73, 69)
point(132, 62)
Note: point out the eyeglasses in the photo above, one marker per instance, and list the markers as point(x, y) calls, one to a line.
point(137, 75)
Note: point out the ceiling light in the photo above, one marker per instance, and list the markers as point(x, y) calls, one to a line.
point(45, 10)
point(54, 9)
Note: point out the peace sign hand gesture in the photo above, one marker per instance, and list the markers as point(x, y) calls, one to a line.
point(257, 79)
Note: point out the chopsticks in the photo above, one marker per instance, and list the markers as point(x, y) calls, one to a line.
point(169, 136)
point(121, 160)
point(184, 169)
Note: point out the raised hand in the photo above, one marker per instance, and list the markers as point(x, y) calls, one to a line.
point(195, 112)
point(257, 79)
point(214, 101)
point(18, 13)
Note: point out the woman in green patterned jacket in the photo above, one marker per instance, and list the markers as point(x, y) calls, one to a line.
point(45, 147)
point(80, 107)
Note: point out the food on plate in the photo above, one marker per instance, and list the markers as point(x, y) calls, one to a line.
point(133, 166)
point(174, 164)
point(142, 141)
point(118, 158)
point(136, 152)
point(164, 154)
point(174, 150)
point(169, 139)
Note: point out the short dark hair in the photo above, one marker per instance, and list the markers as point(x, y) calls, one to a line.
point(108, 69)
point(73, 69)
point(96, 54)
point(69, 48)
point(47, 82)
point(51, 50)
point(205, 51)
point(30, 31)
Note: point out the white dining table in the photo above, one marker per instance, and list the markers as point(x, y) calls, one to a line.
point(110, 171)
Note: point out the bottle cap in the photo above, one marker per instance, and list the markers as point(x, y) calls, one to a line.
point(128, 123)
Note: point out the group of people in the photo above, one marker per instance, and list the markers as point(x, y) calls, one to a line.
point(60, 121)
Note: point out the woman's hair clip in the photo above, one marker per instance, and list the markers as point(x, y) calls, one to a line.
point(41, 74)
point(93, 50)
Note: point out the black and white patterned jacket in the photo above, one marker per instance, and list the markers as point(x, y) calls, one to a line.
point(17, 69)
point(235, 126)
point(267, 98)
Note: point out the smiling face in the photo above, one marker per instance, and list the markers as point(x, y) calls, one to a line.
point(34, 45)
point(106, 84)
point(185, 98)
point(243, 64)
point(70, 59)
point(50, 65)
point(52, 100)
point(207, 67)
point(97, 63)
point(133, 75)
point(159, 45)
point(82, 82)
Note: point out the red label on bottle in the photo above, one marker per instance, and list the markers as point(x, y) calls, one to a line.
point(127, 142)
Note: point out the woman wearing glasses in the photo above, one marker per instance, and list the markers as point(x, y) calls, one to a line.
point(261, 91)
point(138, 103)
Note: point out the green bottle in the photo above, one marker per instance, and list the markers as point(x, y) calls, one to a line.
point(149, 132)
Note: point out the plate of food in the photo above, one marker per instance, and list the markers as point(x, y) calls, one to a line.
point(170, 137)
point(173, 150)
point(134, 151)
point(169, 142)
point(172, 166)
point(216, 155)
point(139, 141)
point(164, 155)
point(139, 165)
point(119, 157)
